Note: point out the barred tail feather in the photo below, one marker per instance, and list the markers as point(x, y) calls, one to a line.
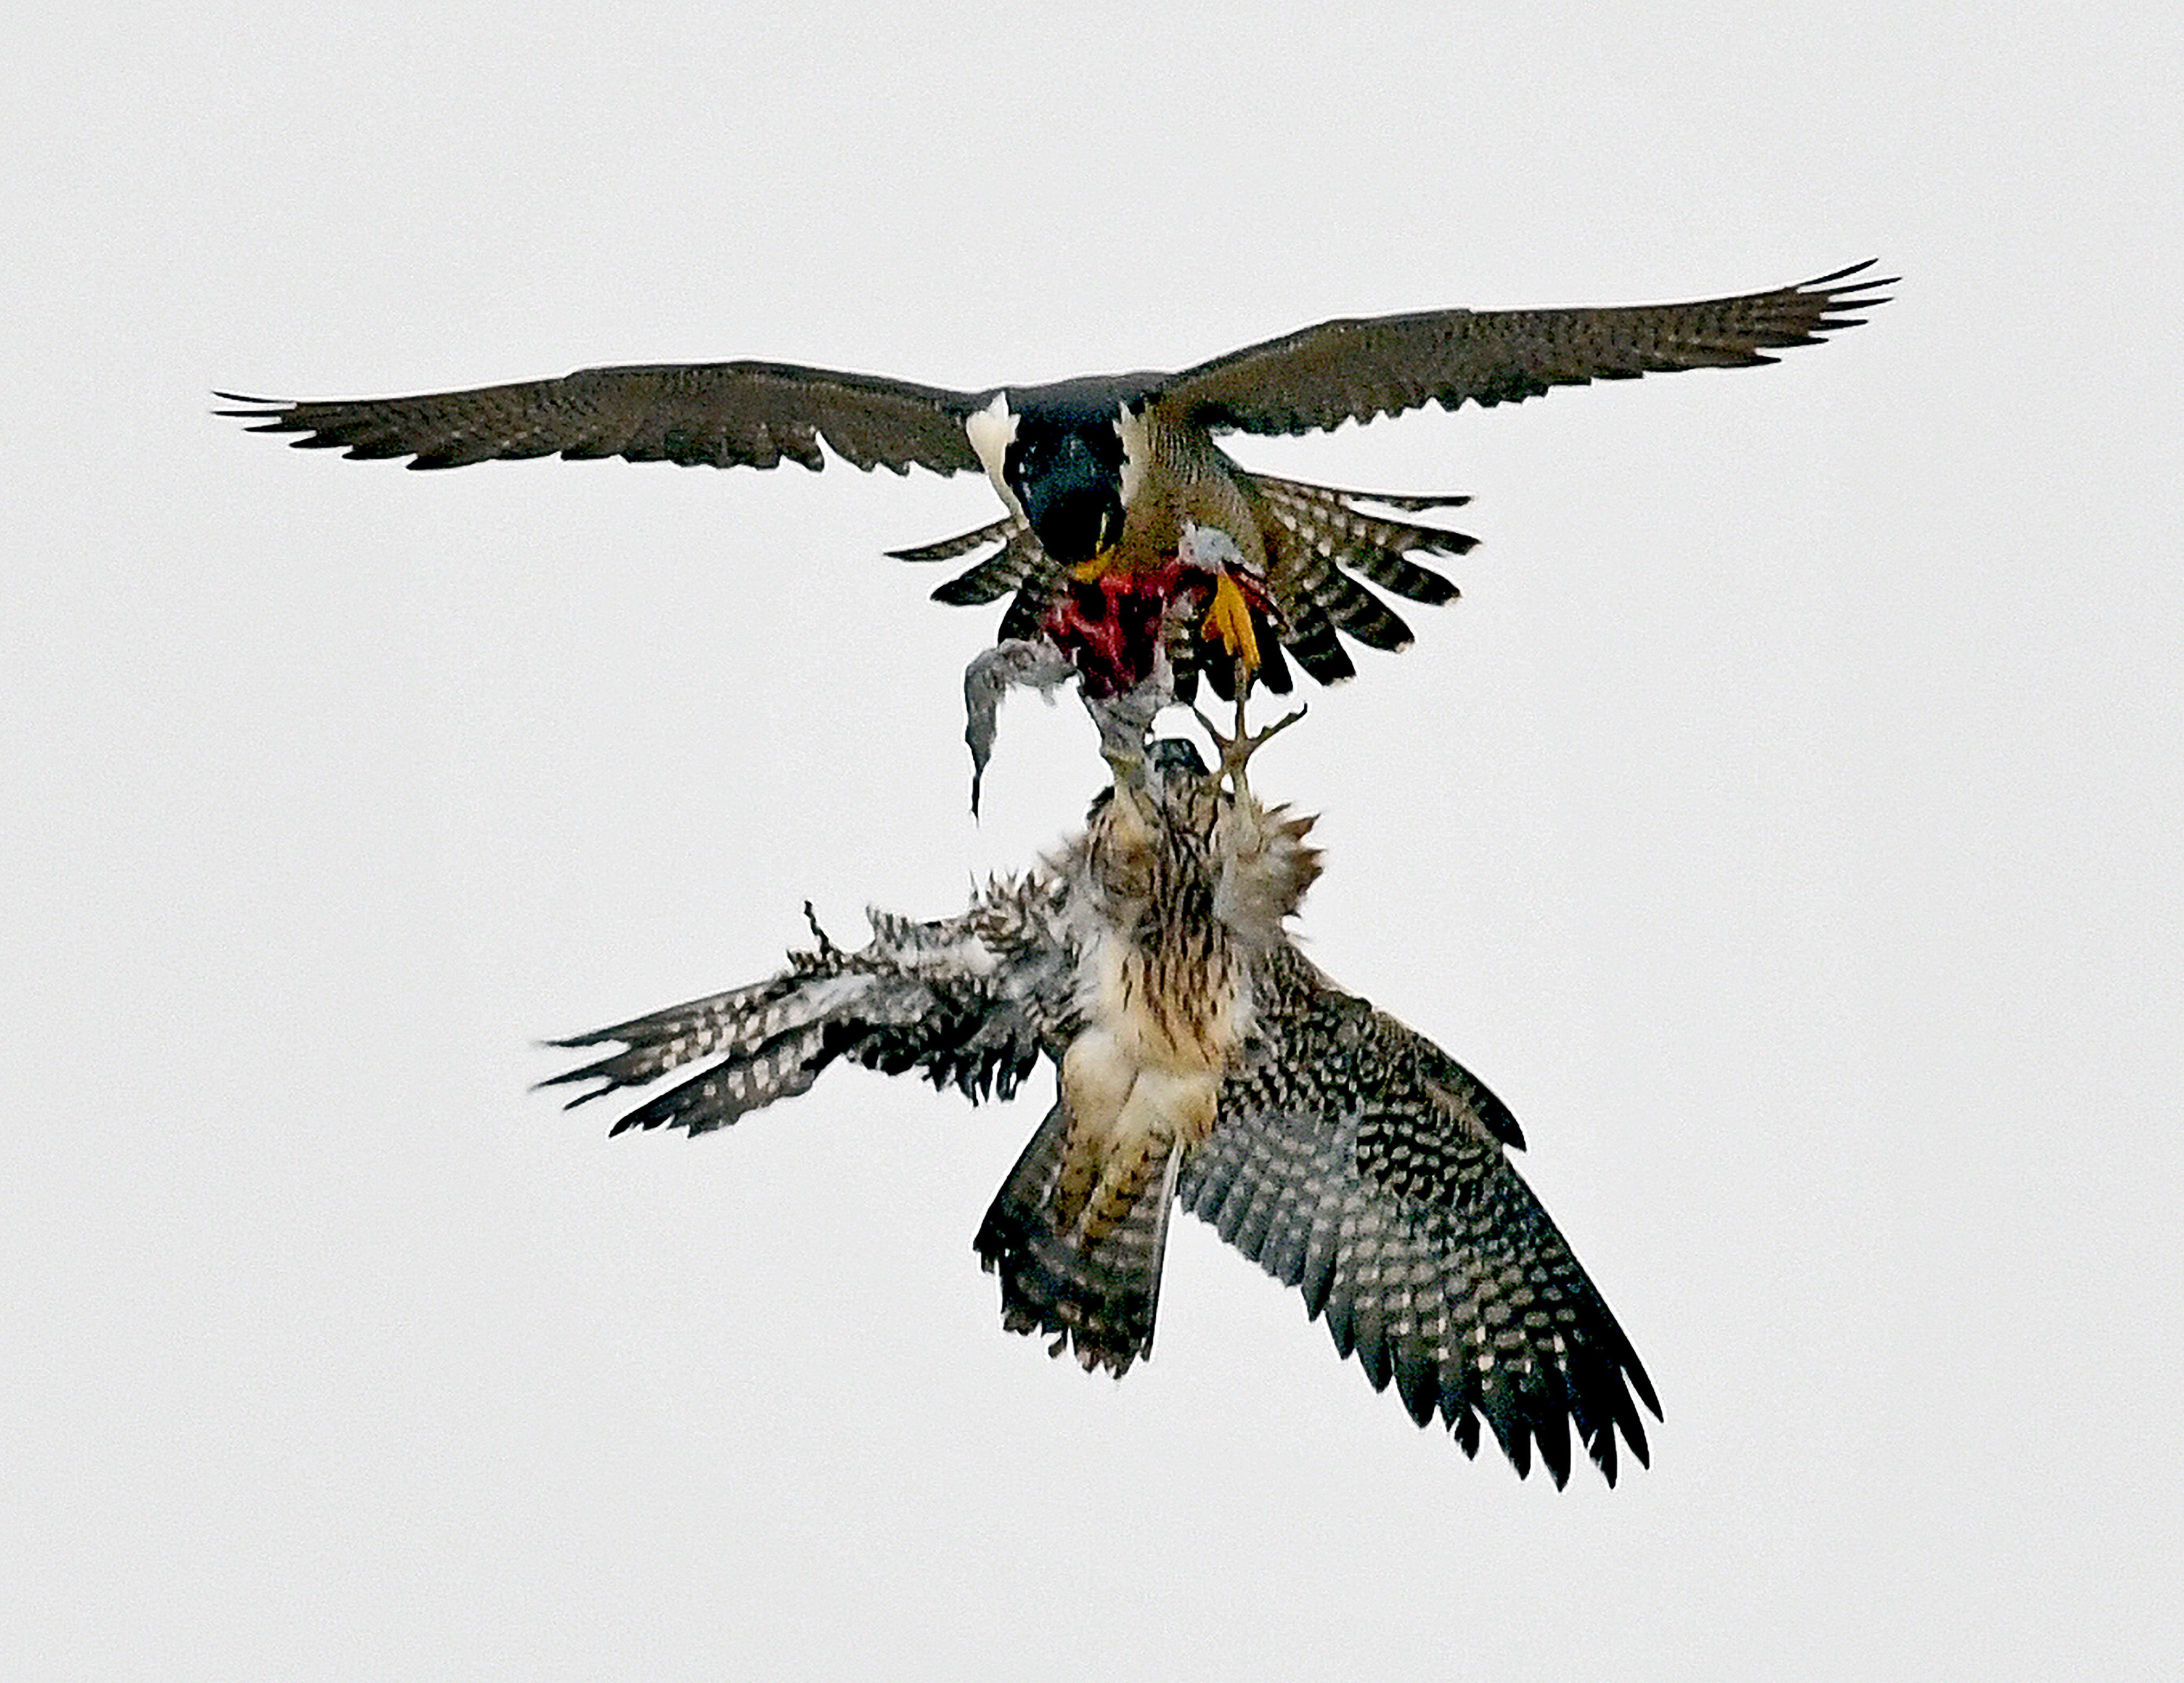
point(1364, 615)
point(1096, 1297)
point(948, 549)
point(1318, 528)
point(997, 573)
point(1312, 640)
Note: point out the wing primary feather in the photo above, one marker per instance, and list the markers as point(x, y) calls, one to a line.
point(1361, 368)
point(716, 414)
point(948, 549)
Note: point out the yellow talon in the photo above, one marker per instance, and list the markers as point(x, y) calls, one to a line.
point(1092, 572)
point(1229, 619)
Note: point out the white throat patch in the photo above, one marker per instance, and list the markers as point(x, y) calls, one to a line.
point(991, 431)
point(1137, 453)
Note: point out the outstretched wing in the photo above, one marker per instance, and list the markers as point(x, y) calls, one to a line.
point(1357, 1161)
point(1359, 368)
point(713, 414)
point(943, 999)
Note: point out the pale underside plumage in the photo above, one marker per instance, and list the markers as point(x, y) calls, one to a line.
point(1347, 1155)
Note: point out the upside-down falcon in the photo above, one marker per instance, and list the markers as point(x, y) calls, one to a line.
point(1200, 1059)
point(1099, 475)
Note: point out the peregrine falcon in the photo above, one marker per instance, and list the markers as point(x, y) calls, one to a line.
point(1201, 1060)
point(1099, 474)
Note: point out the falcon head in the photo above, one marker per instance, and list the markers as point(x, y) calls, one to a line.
point(1060, 456)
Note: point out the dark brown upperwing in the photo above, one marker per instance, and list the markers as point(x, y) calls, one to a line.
point(714, 415)
point(1360, 368)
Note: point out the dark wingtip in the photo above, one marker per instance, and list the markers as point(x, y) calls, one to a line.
point(962, 592)
point(1634, 1371)
point(1858, 294)
point(597, 1037)
point(943, 551)
point(589, 1073)
point(271, 414)
point(1842, 274)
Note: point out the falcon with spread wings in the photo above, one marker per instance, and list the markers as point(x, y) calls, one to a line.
point(1200, 1060)
point(1100, 476)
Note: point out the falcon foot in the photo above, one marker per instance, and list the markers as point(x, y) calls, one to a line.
point(1239, 617)
point(1236, 751)
point(1229, 622)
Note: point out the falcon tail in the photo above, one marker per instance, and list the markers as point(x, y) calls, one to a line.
point(1097, 1296)
point(1317, 538)
point(1320, 544)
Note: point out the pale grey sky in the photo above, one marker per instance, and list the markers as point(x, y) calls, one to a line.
point(1784, 823)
